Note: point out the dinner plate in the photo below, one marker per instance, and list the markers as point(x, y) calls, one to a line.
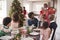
point(34, 33)
point(36, 29)
point(28, 38)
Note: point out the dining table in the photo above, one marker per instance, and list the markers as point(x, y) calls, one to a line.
point(34, 35)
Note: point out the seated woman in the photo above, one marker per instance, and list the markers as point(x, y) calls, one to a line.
point(45, 31)
point(32, 20)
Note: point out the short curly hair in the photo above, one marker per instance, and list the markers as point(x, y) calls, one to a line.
point(30, 14)
point(6, 21)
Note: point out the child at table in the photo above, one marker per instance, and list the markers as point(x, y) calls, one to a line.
point(45, 31)
point(32, 20)
point(15, 20)
point(6, 24)
point(15, 23)
point(5, 28)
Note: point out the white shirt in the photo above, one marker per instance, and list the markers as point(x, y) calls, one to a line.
point(4, 29)
point(52, 21)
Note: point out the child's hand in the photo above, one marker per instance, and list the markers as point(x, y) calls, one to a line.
point(1, 28)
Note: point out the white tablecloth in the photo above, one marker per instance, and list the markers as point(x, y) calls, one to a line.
point(6, 37)
point(28, 38)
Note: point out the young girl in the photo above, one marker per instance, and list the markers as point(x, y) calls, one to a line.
point(15, 23)
point(15, 20)
point(45, 31)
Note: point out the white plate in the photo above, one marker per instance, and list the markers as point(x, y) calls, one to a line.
point(34, 33)
point(36, 29)
point(28, 38)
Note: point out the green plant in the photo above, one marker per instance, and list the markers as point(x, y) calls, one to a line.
point(28, 30)
point(17, 37)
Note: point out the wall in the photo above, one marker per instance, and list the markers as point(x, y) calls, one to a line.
point(2, 10)
point(58, 21)
point(9, 2)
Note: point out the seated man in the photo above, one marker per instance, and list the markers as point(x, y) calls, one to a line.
point(5, 28)
point(32, 20)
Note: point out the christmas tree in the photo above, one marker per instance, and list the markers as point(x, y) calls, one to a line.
point(16, 7)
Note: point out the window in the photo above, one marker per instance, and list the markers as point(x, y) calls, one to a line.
point(26, 5)
point(37, 7)
point(2, 10)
